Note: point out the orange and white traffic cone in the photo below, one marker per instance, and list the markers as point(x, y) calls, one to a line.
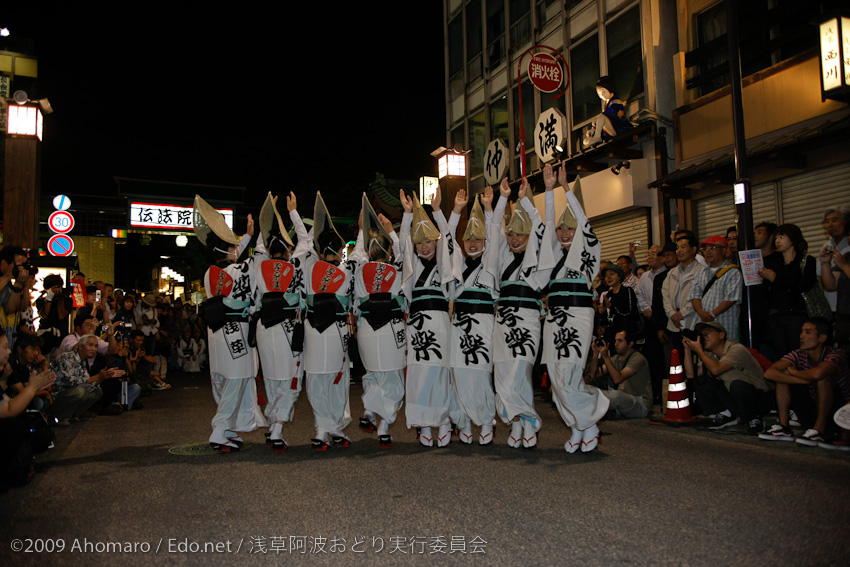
point(678, 405)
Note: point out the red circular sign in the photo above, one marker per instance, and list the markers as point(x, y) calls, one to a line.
point(60, 245)
point(545, 72)
point(60, 221)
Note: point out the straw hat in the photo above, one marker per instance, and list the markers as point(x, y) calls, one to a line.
point(476, 226)
point(322, 222)
point(371, 223)
point(520, 222)
point(423, 228)
point(208, 220)
point(268, 214)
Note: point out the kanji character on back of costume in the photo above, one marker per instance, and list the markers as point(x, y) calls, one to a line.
point(280, 330)
point(233, 362)
point(328, 285)
point(379, 307)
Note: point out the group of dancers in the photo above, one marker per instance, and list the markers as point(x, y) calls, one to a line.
point(293, 303)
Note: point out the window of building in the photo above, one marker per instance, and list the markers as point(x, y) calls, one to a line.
point(625, 56)
point(770, 31)
point(455, 49)
point(478, 141)
point(520, 12)
point(499, 125)
point(495, 32)
point(584, 66)
point(474, 40)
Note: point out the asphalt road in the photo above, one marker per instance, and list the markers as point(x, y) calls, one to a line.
point(114, 493)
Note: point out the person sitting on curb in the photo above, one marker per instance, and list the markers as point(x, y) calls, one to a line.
point(628, 370)
point(729, 382)
point(814, 381)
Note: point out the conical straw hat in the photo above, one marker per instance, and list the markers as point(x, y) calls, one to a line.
point(268, 214)
point(208, 220)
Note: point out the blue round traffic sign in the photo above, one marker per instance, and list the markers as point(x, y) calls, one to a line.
point(60, 245)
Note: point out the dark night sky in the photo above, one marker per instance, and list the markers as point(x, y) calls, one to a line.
point(299, 98)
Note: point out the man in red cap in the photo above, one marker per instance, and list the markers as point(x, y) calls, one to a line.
point(716, 292)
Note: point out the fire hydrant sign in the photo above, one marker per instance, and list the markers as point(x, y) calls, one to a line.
point(545, 72)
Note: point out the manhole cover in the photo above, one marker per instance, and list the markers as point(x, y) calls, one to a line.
point(197, 449)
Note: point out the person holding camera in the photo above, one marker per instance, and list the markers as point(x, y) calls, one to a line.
point(729, 381)
point(630, 385)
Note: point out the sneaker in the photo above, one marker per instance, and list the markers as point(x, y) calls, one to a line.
point(777, 433)
point(842, 417)
point(755, 426)
point(793, 420)
point(837, 445)
point(720, 421)
point(811, 438)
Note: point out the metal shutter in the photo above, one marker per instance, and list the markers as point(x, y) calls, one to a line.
point(805, 196)
point(715, 215)
point(764, 203)
point(617, 231)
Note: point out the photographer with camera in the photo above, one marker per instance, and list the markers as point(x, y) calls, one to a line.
point(14, 272)
point(54, 307)
point(729, 381)
point(629, 385)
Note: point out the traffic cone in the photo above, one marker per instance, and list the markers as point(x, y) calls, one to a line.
point(678, 405)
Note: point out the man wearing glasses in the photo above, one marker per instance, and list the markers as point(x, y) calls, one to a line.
point(716, 292)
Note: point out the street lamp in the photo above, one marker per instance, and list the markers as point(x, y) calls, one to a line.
point(451, 171)
point(22, 179)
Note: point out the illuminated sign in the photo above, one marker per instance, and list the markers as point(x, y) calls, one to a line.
point(175, 217)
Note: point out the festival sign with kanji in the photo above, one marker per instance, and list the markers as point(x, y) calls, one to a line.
point(175, 217)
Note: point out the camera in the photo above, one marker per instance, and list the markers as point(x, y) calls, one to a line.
point(691, 335)
point(28, 266)
point(599, 342)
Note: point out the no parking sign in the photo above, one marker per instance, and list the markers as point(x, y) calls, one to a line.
point(60, 245)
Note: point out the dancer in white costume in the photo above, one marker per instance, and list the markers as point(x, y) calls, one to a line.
point(517, 335)
point(572, 250)
point(379, 307)
point(328, 283)
point(280, 331)
point(474, 294)
point(233, 363)
point(425, 278)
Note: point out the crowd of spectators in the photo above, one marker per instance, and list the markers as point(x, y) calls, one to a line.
point(691, 296)
point(62, 364)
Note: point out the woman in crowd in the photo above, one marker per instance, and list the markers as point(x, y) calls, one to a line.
point(786, 285)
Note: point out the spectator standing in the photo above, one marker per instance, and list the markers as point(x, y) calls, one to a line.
point(788, 282)
point(716, 293)
point(836, 222)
